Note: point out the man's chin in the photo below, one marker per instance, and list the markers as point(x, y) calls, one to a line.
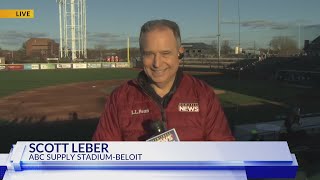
point(158, 79)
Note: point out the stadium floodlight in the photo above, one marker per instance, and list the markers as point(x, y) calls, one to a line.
point(73, 29)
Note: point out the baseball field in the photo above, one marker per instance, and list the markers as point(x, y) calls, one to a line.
point(66, 104)
point(69, 94)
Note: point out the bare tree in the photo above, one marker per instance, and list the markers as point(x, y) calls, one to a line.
point(21, 54)
point(122, 53)
point(225, 47)
point(284, 45)
point(100, 48)
point(214, 47)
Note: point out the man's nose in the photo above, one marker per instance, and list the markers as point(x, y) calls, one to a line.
point(157, 61)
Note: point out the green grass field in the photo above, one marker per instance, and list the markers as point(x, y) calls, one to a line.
point(15, 81)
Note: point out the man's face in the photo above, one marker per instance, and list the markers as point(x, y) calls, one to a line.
point(160, 56)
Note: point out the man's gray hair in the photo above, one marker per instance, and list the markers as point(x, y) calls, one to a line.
point(159, 24)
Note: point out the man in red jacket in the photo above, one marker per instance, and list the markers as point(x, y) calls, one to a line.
point(162, 92)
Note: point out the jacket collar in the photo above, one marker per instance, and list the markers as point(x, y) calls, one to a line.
point(145, 83)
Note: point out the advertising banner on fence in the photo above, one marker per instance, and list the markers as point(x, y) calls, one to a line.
point(64, 66)
point(34, 66)
point(79, 66)
point(31, 66)
point(122, 65)
point(15, 67)
point(47, 66)
point(27, 67)
point(107, 65)
point(94, 65)
point(2, 67)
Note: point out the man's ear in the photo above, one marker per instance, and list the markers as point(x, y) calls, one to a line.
point(181, 50)
point(181, 53)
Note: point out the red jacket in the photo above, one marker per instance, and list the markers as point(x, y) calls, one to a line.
point(192, 109)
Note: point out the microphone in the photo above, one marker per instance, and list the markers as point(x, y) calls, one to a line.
point(160, 133)
point(157, 127)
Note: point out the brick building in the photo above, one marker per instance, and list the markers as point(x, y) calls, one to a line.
point(42, 48)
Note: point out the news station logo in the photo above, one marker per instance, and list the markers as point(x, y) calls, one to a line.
point(188, 107)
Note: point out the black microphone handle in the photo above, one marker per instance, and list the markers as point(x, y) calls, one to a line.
point(158, 127)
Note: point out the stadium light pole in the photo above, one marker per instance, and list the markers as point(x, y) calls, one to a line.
point(219, 49)
point(299, 37)
point(237, 106)
point(239, 39)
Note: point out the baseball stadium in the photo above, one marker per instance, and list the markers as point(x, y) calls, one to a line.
point(39, 103)
point(49, 92)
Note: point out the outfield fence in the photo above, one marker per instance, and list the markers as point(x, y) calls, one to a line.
point(46, 66)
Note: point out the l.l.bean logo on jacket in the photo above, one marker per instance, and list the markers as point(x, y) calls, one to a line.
point(139, 111)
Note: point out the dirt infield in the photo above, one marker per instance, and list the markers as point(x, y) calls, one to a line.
point(63, 102)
